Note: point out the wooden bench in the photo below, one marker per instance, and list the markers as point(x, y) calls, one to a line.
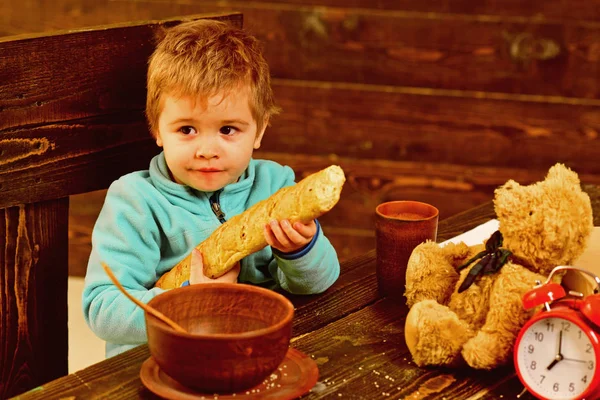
point(71, 121)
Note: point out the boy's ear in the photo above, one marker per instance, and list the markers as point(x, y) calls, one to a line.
point(259, 135)
point(158, 139)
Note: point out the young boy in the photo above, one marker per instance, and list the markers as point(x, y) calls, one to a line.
point(209, 102)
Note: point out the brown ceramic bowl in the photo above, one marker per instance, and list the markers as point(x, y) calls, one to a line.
point(237, 335)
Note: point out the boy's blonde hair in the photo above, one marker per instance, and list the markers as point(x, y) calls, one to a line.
point(201, 58)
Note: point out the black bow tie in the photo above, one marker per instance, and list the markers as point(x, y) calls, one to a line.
point(490, 260)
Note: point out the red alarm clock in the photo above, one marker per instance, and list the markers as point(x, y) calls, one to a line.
point(557, 351)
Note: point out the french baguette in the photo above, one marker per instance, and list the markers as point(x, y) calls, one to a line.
point(243, 234)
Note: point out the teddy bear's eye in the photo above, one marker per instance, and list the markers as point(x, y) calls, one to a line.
point(530, 213)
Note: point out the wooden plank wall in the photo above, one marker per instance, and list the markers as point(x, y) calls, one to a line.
point(434, 101)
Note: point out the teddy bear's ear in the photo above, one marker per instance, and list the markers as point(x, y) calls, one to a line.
point(508, 197)
point(509, 185)
point(560, 173)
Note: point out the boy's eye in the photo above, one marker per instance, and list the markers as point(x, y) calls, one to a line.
point(227, 130)
point(187, 130)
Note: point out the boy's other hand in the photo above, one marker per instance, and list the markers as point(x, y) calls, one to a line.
point(287, 238)
point(197, 273)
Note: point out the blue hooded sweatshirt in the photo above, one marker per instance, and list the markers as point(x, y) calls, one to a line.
point(149, 223)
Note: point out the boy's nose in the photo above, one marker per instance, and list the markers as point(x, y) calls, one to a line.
point(207, 150)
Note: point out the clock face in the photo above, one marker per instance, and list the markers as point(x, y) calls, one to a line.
point(556, 359)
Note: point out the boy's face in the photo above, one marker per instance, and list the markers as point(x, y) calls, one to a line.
point(208, 145)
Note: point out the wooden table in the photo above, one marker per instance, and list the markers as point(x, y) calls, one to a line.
point(355, 336)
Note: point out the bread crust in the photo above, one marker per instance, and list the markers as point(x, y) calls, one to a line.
point(243, 234)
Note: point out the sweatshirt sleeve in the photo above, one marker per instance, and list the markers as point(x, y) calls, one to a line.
point(310, 270)
point(127, 239)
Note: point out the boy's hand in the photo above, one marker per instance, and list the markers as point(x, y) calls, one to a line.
point(197, 274)
point(287, 238)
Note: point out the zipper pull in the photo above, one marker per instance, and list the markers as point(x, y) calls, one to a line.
point(218, 212)
point(216, 207)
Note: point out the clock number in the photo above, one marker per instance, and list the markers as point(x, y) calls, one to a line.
point(579, 334)
point(555, 387)
point(571, 387)
point(566, 326)
point(590, 365)
point(533, 365)
point(542, 380)
point(531, 348)
point(549, 326)
point(539, 336)
point(588, 348)
point(584, 379)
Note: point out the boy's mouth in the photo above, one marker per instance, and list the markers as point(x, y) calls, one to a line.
point(208, 170)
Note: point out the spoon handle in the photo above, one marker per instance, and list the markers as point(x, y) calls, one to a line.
point(145, 307)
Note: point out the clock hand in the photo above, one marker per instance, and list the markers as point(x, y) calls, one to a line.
point(573, 359)
point(559, 356)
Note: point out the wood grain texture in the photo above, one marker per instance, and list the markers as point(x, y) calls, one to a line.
point(433, 126)
point(357, 277)
point(76, 157)
point(364, 356)
point(472, 51)
point(537, 9)
point(59, 14)
point(72, 121)
point(33, 295)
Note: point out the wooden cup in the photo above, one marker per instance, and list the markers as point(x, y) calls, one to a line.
point(399, 227)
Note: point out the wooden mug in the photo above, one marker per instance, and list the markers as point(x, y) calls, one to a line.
point(400, 226)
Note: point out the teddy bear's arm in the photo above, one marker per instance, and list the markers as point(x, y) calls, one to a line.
point(493, 343)
point(431, 273)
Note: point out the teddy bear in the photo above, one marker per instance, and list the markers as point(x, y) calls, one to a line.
point(465, 302)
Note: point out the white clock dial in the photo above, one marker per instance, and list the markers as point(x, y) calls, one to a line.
point(556, 359)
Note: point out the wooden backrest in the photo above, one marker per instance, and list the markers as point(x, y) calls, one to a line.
point(71, 121)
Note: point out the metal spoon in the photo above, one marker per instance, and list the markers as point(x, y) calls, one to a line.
point(145, 307)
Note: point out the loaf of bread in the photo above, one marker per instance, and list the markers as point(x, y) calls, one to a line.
point(243, 234)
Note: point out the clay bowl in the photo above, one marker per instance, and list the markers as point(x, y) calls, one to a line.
point(237, 335)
